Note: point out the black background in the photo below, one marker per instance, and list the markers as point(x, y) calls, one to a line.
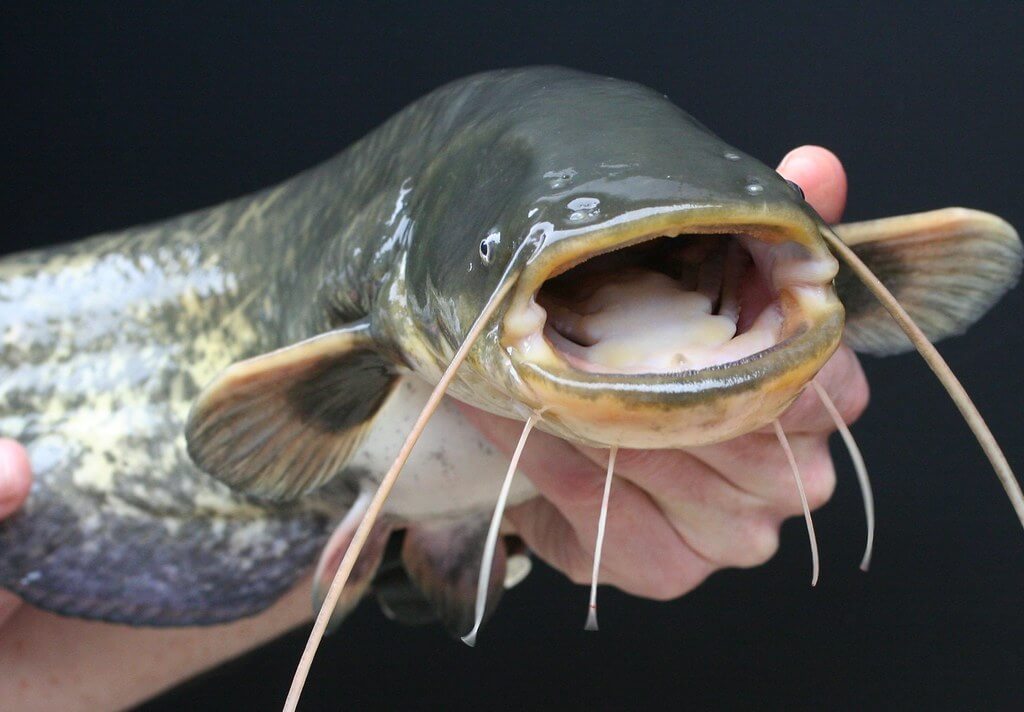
point(117, 116)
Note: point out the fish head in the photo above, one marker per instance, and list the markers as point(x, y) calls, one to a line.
point(664, 289)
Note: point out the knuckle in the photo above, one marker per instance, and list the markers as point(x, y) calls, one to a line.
point(759, 544)
point(578, 575)
point(639, 459)
point(817, 474)
point(855, 399)
point(852, 396)
point(577, 483)
point(578, 566)
point(669, 585)
point(820, 477)
point(679, 573)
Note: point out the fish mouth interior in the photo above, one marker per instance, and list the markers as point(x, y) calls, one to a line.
point(669, 304)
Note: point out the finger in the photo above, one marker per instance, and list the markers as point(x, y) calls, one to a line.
point(643, 554)
point(550, 536)
point(15, 476)
point(846, 385)
point(823, 180)
point(757, 463)
point(557, 541)
point(821, 176)
point(665, 568)
point(720, 521)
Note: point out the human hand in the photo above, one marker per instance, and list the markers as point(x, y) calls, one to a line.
point(675, 516)
point(15, 480)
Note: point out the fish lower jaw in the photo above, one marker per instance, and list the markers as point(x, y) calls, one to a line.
point(683, 409)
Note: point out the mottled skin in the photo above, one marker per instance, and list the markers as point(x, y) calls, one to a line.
point(105, 344)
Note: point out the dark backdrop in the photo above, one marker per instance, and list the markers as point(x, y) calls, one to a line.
point(117, 116)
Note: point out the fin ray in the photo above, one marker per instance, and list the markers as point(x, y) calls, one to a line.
point(946, 267)
point(282, 424)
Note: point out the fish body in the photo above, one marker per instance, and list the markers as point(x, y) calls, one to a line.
point(205, 400)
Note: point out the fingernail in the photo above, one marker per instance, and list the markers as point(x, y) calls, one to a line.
point(784, 163)
point(797, 164)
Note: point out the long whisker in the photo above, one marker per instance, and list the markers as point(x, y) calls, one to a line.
point(784, 441)
point(387, 483)
point(601, 521)
point(941, 369)
point(858, 465)
point(492, 534)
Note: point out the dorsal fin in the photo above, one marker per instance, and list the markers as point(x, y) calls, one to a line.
point(946, 267)
point(284, 423)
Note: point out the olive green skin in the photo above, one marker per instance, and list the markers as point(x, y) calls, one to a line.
point(106, 342)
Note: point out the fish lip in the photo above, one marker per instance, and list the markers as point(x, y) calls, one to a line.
point(562, 250)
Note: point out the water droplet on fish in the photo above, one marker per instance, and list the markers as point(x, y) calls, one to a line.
point(583, 204)
point(560, 179)
point(730, 156)
point(754, 188)
point(583, 208)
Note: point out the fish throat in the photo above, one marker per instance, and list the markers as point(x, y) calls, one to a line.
point(670, 304)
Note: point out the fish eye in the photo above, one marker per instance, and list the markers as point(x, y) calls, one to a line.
point(488, 245)
point(796, 189)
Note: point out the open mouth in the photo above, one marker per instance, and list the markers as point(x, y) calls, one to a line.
point(667, 304)
point(671, 304)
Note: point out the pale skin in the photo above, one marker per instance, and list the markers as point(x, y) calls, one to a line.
point(674, 518)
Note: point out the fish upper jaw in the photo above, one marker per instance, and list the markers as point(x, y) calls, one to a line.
point(676, 328)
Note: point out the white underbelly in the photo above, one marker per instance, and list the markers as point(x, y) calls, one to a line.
point(453, 469)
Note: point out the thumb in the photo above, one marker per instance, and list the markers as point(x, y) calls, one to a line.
point(15, 476)
point(821, 176)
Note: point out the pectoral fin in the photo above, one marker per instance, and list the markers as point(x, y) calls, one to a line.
point(284, 423)
point(946, 267)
